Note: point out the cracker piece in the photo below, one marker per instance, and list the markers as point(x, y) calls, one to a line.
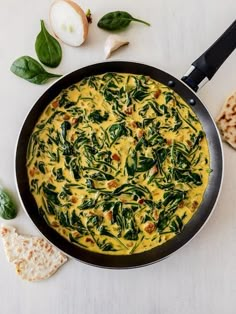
point(34, 258)
point(226, 121)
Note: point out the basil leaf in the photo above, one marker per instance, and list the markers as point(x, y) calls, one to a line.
point(58, 173)
point(132, 233)
point(131, 163)
point(7, 207)
point(101, 176)
point(87, 204)
point(174, 197)
point(94, 221)
point(31, 70)
point(41, 167)
point(198, 139)
point(117, 20)
point(103, 231)
point(145, 164)
point(65, 126)
point(75, 169)
point(105, 246)
point(117, 130)
point(64, 219)
point(77, 222)
point(186, 176)
point(176, 224)
point(97, 117)
point(48, 48)
point(51, 195)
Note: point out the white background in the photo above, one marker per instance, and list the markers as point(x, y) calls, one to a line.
point(201, 277)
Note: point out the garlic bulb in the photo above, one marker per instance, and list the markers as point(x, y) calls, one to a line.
point(113, 43)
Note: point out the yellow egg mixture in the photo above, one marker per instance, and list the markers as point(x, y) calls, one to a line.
point(118, 163)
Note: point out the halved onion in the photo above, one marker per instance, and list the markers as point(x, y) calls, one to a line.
point(69, 22)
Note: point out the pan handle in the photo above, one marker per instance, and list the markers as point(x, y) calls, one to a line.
point(210, 61)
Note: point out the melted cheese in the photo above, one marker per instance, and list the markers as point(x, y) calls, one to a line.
point(118, 163)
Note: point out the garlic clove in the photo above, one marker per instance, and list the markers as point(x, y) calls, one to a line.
point(113, 42)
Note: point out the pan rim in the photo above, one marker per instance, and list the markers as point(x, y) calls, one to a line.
point(185, 242)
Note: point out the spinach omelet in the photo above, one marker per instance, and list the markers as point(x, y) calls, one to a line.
point(118, 163)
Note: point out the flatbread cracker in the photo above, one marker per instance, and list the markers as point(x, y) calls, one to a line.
point(226, 121)
point(34, 258)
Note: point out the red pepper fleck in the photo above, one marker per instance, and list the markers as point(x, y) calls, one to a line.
point(32, 172)
point(155, 214)
point(133, 124)
point(89, 240)
point(128, 110)
point(55, 104)
point(181, 204)
point(112, 184)
point(157, 93)
point(153, 170)
point(115, 157)
point(194, 205)
point(74, 120)
point(74, 199)
point(150, 227)
point(141, 201)
point(189, 143)
point(130, 244)
point(109, 215)
point(140, 133)
point(66, 117)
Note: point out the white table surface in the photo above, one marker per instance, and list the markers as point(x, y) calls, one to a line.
point(199, 278)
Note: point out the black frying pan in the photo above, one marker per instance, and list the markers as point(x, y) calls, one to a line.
point(202, 68)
